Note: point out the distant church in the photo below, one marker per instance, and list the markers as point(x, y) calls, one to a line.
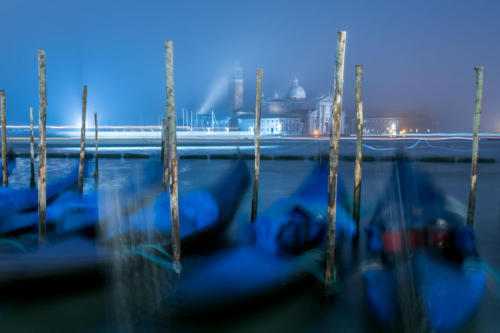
point(235, 96)
point(293, 115)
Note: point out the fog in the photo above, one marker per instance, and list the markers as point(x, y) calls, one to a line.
point(417, 56)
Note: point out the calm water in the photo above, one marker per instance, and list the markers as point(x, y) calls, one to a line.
point(103, 309)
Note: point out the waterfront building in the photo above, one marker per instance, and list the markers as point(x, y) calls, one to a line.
point(320, 119)
point(296, 114)
point(236, 91)
point(235, 96)
point(406, 122)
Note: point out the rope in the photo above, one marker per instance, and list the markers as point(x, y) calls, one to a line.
point(414, 145)
point(159, 261)
point(449, 149)
point(157, 248)
point(379, 149)
point(311, 262)
point(14, 243)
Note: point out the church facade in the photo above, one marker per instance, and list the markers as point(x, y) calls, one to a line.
point(293, 115)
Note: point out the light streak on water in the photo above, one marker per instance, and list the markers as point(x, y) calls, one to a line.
point(156, 148)
point(21, 132)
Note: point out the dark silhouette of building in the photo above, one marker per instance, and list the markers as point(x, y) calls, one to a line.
point(404, 122)
point(235, 95)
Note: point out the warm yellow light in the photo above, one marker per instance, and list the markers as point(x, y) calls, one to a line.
point(403, 131)
point(316, 133)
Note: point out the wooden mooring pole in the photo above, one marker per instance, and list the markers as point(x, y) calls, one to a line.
point(96, 167)
point(475, 146)
point(255, 193)
point(42, 149)
point(5, 179)
point(164, 152)
point(162, 133)
point(172, 152)
point(82, 140)
point(32, 150)
point(334, 160)
point(359, 148)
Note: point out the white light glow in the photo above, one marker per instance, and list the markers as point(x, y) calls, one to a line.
point(215, 93)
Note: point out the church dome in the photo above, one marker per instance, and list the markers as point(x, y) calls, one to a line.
point(296, 91)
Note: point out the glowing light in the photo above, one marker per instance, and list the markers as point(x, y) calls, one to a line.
point(316, 133)
point(77, 121)
point(218, 88)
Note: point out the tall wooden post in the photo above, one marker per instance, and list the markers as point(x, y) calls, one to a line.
point(96, 168)
point(172, 152)
point(167, 148)
point(32, 150)
point(82, 140)
point(42, 149)
point(475, 145)
point(334, 160)
point(255, 193)
point(359, 151)
point(5, 179)
point(164, 150)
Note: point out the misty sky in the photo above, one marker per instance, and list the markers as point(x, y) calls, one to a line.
point(418, 55)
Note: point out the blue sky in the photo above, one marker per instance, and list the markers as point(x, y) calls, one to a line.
point(418, 55)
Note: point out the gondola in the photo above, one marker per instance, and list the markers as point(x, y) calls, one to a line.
point(70, 261)
point(17, 201)
point(72, 211)
point(424, 271)
point(204, 214)
point(281, 247)
point(67, 264)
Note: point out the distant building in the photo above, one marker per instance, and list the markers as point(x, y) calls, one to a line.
point(294, 115)
point(235, 95)
point(404, 123)
point(320, 120)
point(281, 126)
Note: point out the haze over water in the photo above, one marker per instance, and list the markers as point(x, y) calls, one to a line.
point(417, 56)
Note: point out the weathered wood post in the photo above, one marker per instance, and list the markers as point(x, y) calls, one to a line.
point(96, 167)
point(5, 179)
point(475, 145)
point(82, 140)
point(162, 151)
point(172, 151)
point(42, 148)
point(32, 150)
point(359, 148)
point(255, 193)
point(166, 156)
point(334, 160)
